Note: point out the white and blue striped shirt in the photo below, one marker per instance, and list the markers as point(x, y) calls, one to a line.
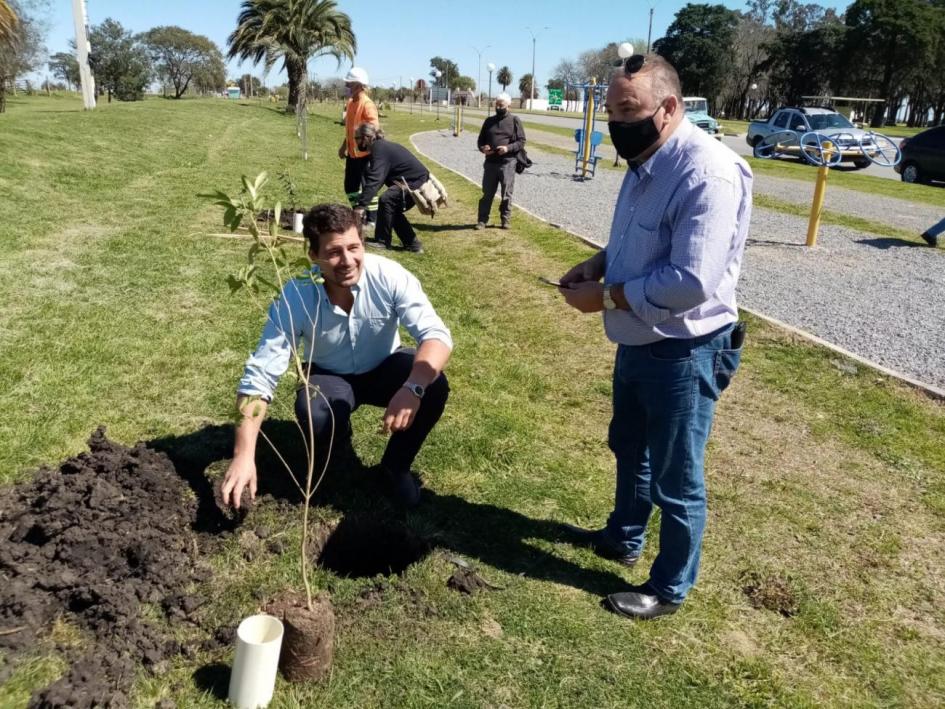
point(386, 296)
point(677, 240)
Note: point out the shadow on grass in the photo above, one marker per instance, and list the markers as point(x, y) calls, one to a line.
point(213, 679)
point(428, 227)
point(497, 536)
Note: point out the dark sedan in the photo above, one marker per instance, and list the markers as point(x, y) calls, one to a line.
point(923, 156)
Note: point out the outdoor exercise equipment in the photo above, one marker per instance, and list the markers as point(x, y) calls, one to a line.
point(825, 152)
point(586, 157)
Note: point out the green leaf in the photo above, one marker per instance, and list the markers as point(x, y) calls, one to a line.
point(261, 179)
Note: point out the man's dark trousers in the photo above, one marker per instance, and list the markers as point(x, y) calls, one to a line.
point(354, 177)
point(495, 174)
point(342, 394)
point(390, 216)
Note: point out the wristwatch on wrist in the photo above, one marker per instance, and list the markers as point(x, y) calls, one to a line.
point(609, 303)
point(418, 390)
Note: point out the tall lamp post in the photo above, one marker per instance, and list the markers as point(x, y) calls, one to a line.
point(534, 39)
point(437, 73)
point(479, 75)
point(491, 67)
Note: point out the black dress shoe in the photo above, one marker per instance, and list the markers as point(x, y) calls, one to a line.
point(929, 239)
point(415, 247)
point(602, 544)
point(402, 486)
point(640, 603)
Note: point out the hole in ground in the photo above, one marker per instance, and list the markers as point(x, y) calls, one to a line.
point(360, 548)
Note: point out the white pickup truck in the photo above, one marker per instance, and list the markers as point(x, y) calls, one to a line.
point(825, 121)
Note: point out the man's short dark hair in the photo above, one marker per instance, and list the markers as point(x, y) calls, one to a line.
point(664, 81)
point(328, 219)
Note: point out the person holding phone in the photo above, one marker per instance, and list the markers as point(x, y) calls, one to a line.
point(666, 286)
point(500, 139)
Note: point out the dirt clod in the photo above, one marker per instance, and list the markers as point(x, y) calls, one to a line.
point(468, 581)
point(309, 640)
point(770, 592)
point(91, 541)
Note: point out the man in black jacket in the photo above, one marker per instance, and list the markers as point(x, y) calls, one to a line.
point(392, 165)
point(500, 139)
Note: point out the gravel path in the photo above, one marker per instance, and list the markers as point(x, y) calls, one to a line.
point(894, 212)
point(879, 298)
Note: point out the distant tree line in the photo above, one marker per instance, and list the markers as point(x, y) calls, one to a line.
point(777, 51)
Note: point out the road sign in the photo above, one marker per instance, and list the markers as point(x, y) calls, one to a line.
point(554, 97)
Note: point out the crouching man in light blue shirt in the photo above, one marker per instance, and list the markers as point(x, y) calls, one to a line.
point(668, 295)
point(345, 331)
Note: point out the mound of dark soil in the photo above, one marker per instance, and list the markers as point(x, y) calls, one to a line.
point(92, 541)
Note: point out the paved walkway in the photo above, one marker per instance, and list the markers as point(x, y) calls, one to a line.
point(880, 298)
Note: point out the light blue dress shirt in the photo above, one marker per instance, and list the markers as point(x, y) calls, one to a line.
point(386, 295)
point(677, 240)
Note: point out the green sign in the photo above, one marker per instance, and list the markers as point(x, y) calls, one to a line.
point(554, 97)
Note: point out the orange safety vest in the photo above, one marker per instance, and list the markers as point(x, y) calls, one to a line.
point(360, 110)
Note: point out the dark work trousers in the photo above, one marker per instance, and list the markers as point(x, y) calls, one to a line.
point(392, 205)
point(493, 175)
point(354, 177)
point(346, 392)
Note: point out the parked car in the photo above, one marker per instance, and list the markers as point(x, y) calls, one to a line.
point(923, 156)
point(824, 121)
point(697, 111)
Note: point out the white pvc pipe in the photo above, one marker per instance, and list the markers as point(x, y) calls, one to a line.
point(297, 222)
point(258, 642)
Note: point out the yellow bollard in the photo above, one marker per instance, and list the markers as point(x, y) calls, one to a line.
point(820, 191)
point(588, 122)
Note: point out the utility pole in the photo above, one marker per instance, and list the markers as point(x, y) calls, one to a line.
point(82, 49)
point(534, 38)
point(649, 32)
point(479, 75)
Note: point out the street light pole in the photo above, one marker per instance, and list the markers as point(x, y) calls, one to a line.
point(534, 38)
point(479, 75)
point(86, 80)
point(649, 32)
point(491, 67)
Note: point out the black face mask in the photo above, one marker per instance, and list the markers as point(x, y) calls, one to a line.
point(500, 112)
point(634, 137)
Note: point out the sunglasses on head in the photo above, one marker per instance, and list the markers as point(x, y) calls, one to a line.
point(633, 64)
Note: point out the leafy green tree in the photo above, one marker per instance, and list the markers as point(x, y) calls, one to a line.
point(464, 83)
point(295, 31)
point(804, 62)
point(700, 44)
point(121, 65)
point(22, 51)
point(250, 85)
point(179, 55)
point(64, 65)
point(525, 87)
point(210, 76)
point(504, 77)
point(449, 72)
point(889, 41)
point(8, 22)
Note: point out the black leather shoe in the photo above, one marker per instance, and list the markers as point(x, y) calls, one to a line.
point(402, 487)
point(640, 603)
point(415, 247)
point(602, 544)
point(929, 239)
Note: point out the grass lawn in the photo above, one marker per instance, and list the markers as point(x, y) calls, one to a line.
point(826, 482)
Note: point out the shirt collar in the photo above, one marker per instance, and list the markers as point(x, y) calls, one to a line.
point(664, 156)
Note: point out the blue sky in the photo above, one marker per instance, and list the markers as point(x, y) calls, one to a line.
point(397, 38)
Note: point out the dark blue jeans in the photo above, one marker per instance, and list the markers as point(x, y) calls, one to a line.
point(664, 400)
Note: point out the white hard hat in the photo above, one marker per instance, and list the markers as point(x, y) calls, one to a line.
point(357, 75)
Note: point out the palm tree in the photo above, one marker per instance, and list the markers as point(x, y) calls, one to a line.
point(8, 22)
point(504, 77)
point(294, 31)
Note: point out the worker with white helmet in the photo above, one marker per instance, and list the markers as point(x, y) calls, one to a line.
point(360, 109)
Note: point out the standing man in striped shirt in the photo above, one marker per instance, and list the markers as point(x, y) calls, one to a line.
point(360, 109)
point(666, 285)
